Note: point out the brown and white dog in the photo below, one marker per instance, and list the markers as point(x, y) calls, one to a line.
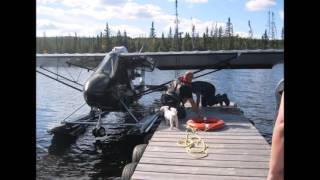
point(171, 116)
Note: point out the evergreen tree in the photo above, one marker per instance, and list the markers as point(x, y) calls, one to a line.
point(220, 32)
point(119, 39)
point(125, 39)
point(75, 43)
point(101, 42)
point(204, 42)
point(170, 33)
point(45, 43)
point(193, 29)
point(58, 48)
point(265, 39)
point(163, 43)
point(152, 31)
point(107, 43)
point(229, 29)
point(212, 31)
point(220, 36)
point(207, 32)
point(170, 40)
point(216, 31)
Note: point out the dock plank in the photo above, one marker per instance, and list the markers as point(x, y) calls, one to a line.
point(230, 129)
point(224, 157)
point(173, 176)
point(202, 170)
point(211, 150)
point(216, 145)
point(211, 133)
point(226, 141)
point(207, 163)
point(205, 136)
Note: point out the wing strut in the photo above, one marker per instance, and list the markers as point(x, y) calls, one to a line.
point(73, 81)
point(80, 90)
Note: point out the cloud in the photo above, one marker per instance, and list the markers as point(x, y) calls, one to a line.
point(49, 26)
point(89, 18)
point(56, 28)
point(130, 30)
point(192, 1)
point(281, 14)
point(46, 1)
point(257, 5)
point(241, 34)
point(114, 2)
point(137, 11)
point(196, 1)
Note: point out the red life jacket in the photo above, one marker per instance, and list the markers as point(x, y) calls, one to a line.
point(183, 79)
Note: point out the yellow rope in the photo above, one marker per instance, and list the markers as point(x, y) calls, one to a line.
point(194, 144)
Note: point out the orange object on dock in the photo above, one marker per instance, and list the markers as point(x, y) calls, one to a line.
point(203, 123)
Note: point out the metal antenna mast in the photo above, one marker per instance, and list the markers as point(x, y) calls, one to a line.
point(273, 28)
point(176, 33)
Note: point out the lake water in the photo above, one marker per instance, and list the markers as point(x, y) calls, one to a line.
point(252, 90)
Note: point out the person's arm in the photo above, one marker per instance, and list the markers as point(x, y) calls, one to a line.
point(194, 106)
point(277, 146)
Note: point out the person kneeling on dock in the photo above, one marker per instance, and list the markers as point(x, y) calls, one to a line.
point(179, 92)
point(207, 92)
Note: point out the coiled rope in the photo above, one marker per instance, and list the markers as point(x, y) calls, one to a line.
point(194, 144)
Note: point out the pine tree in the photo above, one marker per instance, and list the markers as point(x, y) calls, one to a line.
point(207, 32)
point(75, 43)
point(100, 43)
point(216, 31)
point(170, 33)
point(229, 29)
point(56, 45)
point(107, 43)
point(45, 43)
point(186, 43)
point(170, 40)
point(125, 39)
point(265, 39)
point(193, 37)
point(220, 36)
point(163, 43)
point(152, 31)
point(119, 39)
point(205, 42)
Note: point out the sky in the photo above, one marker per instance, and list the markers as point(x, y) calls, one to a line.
point(89, 17)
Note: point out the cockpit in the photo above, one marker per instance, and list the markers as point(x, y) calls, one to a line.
point(107, 65)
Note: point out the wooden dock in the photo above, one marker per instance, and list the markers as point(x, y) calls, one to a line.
point(238, 151)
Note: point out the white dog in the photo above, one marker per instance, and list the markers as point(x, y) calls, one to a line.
point(170, 115)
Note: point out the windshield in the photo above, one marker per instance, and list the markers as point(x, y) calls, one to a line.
point(106, 66)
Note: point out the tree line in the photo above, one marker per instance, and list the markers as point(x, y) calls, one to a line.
point(215, 39)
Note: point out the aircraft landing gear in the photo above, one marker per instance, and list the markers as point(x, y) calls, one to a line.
point(99, 131)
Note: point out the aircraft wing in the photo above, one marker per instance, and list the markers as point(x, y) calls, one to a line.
point(87, 60)
point(233, 59)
